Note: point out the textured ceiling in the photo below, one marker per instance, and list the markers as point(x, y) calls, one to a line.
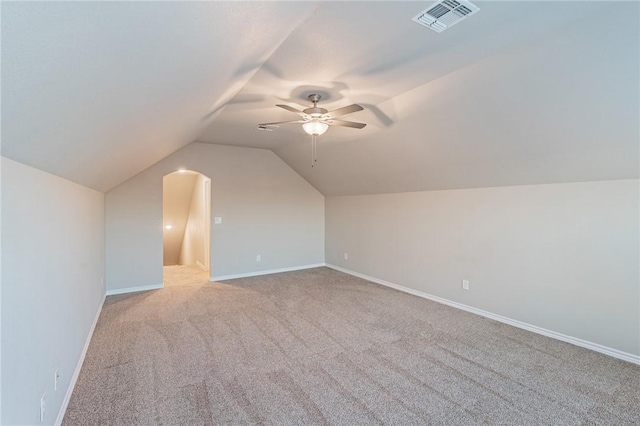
point(520, 93)
point(98, 91)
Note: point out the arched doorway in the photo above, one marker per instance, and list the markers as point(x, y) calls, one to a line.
point(186, 213)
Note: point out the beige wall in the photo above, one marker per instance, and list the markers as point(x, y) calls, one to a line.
point(267, 210)
point(563, 257)
point(177, 189)
point(193, 244)
point(52, 288)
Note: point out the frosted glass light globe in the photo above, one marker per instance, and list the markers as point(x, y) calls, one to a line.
point(315, 127)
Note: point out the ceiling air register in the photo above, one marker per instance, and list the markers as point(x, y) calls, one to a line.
point(445, 14)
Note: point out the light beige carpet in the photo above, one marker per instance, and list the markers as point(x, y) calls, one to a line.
point(321, 347)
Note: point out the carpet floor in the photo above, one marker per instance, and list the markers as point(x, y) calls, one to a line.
point(319, 347)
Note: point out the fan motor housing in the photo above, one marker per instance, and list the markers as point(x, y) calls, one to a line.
point(315, 111)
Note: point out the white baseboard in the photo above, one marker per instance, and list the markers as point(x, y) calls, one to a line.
point(134, 289)
point(625, 356)
point(201, 265)
point(266, 272)
point(76, 372)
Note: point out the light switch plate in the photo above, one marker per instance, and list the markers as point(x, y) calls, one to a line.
point(217, 220)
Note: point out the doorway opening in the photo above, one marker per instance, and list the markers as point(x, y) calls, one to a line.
point(186, 216)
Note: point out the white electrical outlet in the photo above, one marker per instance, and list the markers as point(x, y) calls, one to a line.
point(465, 284)
point(217, 220)
point(55, 380)
point(258, 258)
point(346, 256)
point(42, 406)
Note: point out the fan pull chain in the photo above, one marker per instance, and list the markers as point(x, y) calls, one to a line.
point(314, 144)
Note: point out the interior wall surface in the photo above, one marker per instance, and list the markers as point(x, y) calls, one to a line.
point(266, 210)
point(193, 243)
point(52, 286)
point(177, 189)
point(563, 257)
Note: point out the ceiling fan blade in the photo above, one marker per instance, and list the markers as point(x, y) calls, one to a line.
point(345, 123)
point(343, 111)
point(292, 109)
point(281, 122)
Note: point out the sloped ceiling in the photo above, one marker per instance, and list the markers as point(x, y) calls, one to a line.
point(520, 93)
point(96, 92)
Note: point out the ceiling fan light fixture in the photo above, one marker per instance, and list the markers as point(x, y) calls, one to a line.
point(315, 120)
point(315, 127)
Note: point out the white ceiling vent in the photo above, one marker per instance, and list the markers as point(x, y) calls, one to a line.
point(445, 14)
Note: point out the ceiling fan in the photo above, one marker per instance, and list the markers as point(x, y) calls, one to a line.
point(315, 120)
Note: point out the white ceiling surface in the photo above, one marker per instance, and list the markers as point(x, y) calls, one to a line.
point(520, 93)
point(96, 92)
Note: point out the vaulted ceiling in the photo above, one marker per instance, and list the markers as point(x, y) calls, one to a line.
point(520, 93)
